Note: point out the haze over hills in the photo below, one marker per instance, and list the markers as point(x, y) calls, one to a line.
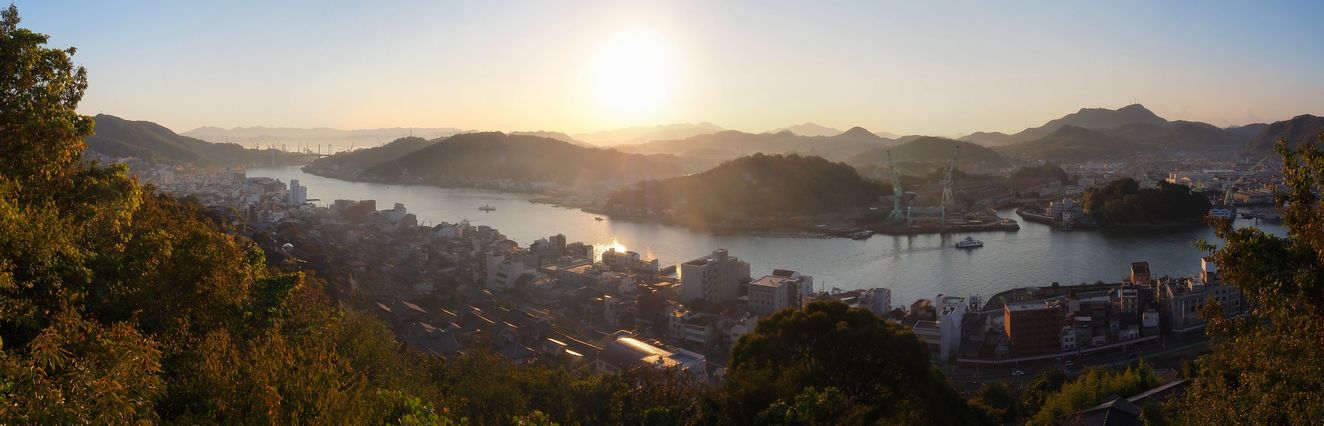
point(809, 129)
point(1302, 128)
point(641, 134)
point(1087, 118)
point(1249, 131)
point(924, 154)
point(478, 159)
point(554, 135)
point(732, 144)
point(117, 137)
point(757, 186)
point(337, 139)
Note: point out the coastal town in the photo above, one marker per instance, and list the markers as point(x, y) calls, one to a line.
point(449, 288)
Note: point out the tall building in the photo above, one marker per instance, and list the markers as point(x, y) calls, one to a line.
point(781, 290)
point(1033, 328)
point(298, 193)
point(943, 334)
point(715, 278)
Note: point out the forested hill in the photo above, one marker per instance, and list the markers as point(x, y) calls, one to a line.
point(754, 186)
point(1300, 129)
point(925, 153)
point(117, 137)
point(475, 158)
point(1124, 203)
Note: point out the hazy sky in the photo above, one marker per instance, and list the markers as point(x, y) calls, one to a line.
point(900, 67)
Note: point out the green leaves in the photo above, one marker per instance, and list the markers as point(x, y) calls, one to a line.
point(1268, 367)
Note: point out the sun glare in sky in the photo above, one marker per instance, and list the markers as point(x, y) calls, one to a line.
point(633, 75)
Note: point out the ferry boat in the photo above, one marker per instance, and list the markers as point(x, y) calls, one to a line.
point(969, 242)
point(487, 208)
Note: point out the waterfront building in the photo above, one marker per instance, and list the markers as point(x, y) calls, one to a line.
point(1034, 327)
point(715, 278)
point(943, 335)
point(1140, 273)
point(298, 193)
point(628, 262)
point(781, 290)
point(877, 300)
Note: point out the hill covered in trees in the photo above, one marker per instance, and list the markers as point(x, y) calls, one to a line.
point(753, 187)
point(1122, 202)
point(1072, 144)
point(1300, 129)
point(927, 153)
point(117, 137)
point(730, 144)
point(471, 159)
point(1086, 118)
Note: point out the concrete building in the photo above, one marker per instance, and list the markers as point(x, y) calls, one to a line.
point(504, 269)
point(877, 300)
point(944, 334)
point(692, 327)
point(1033, 328)
point(1140, 273)
point(298, 193)
point(1182, 299)
point(715, 278)
point(628, 262)
point(781, 290)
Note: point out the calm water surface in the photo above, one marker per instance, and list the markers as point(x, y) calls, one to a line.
point(912, 266)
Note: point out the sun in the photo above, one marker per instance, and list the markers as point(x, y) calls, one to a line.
point(634, 74)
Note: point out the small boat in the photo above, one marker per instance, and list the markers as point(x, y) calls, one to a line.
point(862, 235)
point(487, 208)
point(598, 218)
point(969, 242)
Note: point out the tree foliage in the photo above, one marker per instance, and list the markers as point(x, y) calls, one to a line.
point(859, 367)
point(1267, 367)
point(1090, 389)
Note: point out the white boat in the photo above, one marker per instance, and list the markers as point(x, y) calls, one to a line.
point(969, 242)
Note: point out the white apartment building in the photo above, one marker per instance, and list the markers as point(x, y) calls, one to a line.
point(781, 290)
point(715, 278)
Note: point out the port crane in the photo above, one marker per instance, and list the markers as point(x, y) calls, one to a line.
point(897, 194)
point(947, 198)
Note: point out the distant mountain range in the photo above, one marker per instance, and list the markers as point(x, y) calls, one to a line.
point(1110, 135)
point(925, 153)
point(334, 139)
point(809, 129)
point(730, 144)
point(117, 137)
point(1302, 128)
point(1087, 118)
point(758, 186)
point(641, 134)
point(476, 159)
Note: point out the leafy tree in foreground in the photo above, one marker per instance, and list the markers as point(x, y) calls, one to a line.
point(1267, 367)
point(828, 363)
